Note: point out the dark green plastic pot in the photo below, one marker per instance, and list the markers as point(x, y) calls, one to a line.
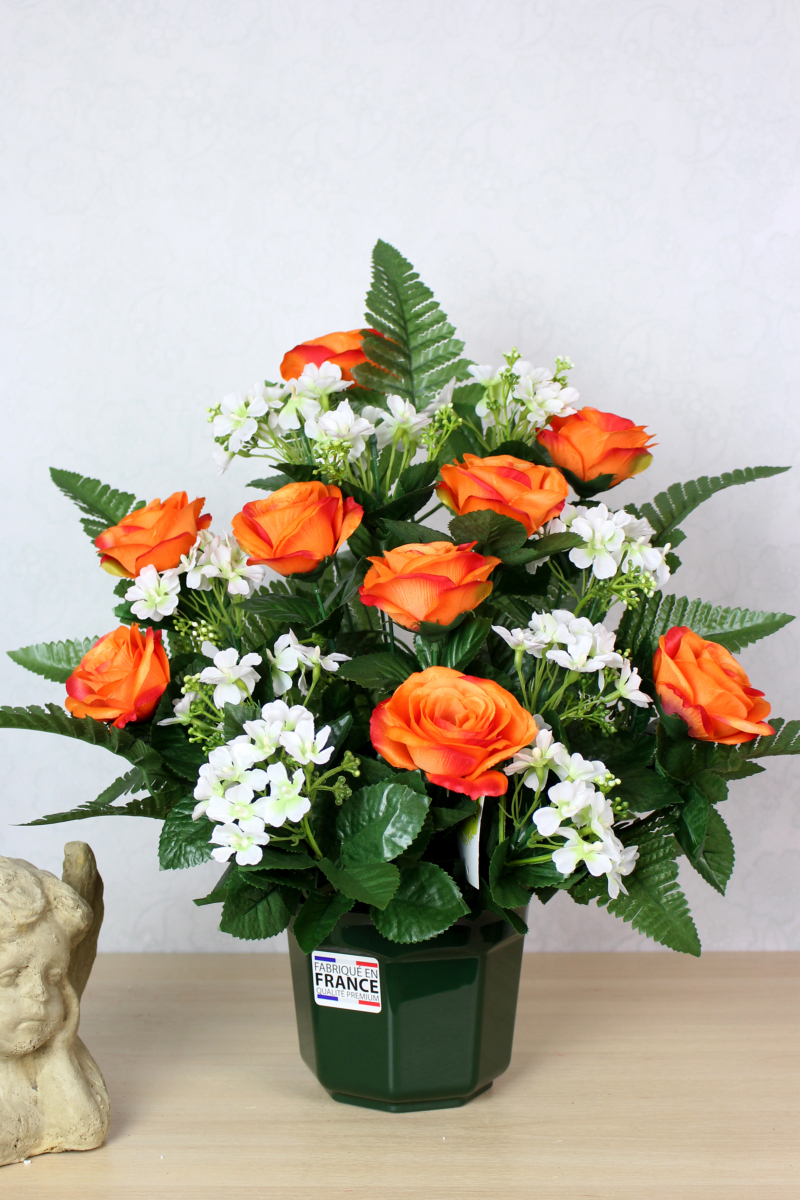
point(433, 1032)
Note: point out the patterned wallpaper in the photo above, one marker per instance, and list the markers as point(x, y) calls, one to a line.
point(189, 188)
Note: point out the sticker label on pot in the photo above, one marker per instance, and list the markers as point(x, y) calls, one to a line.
point(346, 981)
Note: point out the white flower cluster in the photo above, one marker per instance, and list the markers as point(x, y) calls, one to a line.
point(288, 655)
point(537, 392)
point(577, 812)
point(575, 644)
point(613, 541)
point(229, 784)
point(213, 556)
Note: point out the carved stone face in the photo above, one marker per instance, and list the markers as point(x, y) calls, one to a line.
point(33, 968)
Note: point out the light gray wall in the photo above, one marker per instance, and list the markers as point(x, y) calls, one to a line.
point(190, 188)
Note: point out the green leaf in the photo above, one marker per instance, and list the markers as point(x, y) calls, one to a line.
point(53, 719)
point(587, 487)
point(714, 861)
point(506, 890)
point(317, 918)
point(420, 475)
point(463, 643)
point(156, 806)
point(733, 628)
point(284, 610)
point(671, 507)
point(622, 752)
point(693, 821)
point(184, 842)
point(404, 533)
point(380, 821)
point(494, 533)
point(544, 547)
point(427, 902)
point(382, 670)
point(220, 889)
point(446, 818)
point(54, 660)
point(644, 790)
point(371, 883)
point(418, 353)
point(103, 505)
point(686, 759)
point(655, 905)
point(270, 484)
point(235, 717)
point(171, 741)
point(251, 913)
point(533, 454)
point(281, 860)
point(373, 771)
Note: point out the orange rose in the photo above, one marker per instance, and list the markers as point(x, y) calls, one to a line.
point(506, 485)
point(427, 581)
point(121, 679)
point(343, 349)
point(453, 727)
point(702, 683)
point(592, 443)
point(297, 527)
point(157, 535)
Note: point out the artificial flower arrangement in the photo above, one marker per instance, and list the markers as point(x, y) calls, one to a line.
point(350, 707)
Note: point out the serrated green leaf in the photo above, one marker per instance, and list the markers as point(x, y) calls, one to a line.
point(446, 818)
point(103, 505)
point(426, 902)
point(318, 917)
point(380, 821)
point(172, 742)
point(655, 905)
point(220, 889)
point(54, 660)
point(284, 610)
point(251, 913)
point(544, 547)
point(53, 719)
point(281, 860)
point(506, 889)
point(684, 760)
point(585, 488)
point(714, 861)
point(384, 670)
point(464, 643)
point(406, 533)
point(105, 805)
point(693, 821)
point(671, 507)
point(373, 771)
point(371, 883)
point(643, 790)
point(184, 842)
point(734, 628)
point(494, 533)
point(418, 353)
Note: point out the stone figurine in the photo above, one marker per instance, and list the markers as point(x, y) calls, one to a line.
point(52, 1095)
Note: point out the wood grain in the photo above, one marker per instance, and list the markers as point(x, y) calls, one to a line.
point(646, 1076)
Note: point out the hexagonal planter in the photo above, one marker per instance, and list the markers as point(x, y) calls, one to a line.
point(403, 1028)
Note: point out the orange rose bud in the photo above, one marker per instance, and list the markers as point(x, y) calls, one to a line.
point(158, 535)
point(453, 727)
point(427, 581)
point(121, 679)
point(506, 485)
point(298, 526)
point(702, 683)
point(343, 349)
point(592, 443)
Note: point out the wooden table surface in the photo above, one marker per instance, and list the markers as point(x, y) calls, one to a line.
point(634, 1076)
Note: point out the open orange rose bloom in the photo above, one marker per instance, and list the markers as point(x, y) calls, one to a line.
point(453, 727)
point(592, 443)
point(428, 581)
point(298, 526)
point(157, 535)
point(702, 683)
point(510, 486)
point(121, 679)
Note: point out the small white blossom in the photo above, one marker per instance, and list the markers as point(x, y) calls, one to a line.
point(246, 846)
point(574, 767)
point(576, 850)
point(297, 405)
point(317, 383)
point(541, 396)
point(312, 656)
point(629, 686)
point(641, 556)
point(229, 771)
point(156, 595)
point(402, 423)
point(222, 459)
point(181, 710)
point(535, 760)
point(306, 747)
point(237, 417)
point(283, 662)
point(604, 534)
point(263, 736)
point(278, 711)
point(341, 425)
point(232, 679)
point(284, 802)
point(517, 639)
point(567, 801)
point(623, 861)
point(244, 813)
point(547, 628)
point(490, 378)
point(226, 560)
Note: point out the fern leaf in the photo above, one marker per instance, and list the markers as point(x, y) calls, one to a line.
point(654, 905)
point(669, 508)
point(54, 660)
point(104, 806)
point(733, 628)
point(53, 719)
point(418, 352)
point(103, 505)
